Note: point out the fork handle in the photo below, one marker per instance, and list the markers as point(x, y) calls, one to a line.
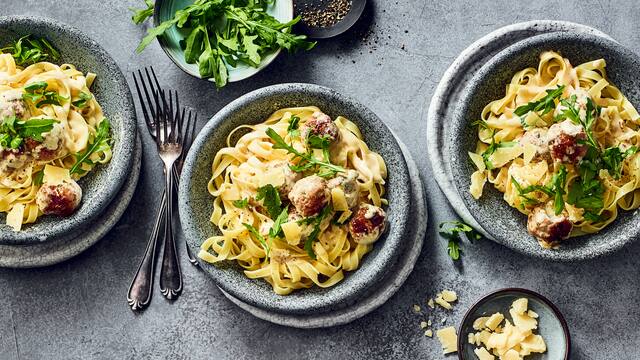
point(139, 294)
point(170, 274)
point(192, 259)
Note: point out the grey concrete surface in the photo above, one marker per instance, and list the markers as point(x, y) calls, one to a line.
point(77, 309)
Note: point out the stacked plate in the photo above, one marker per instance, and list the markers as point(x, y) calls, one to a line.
point(108, 189)
point(381, 271)
point(478, 76)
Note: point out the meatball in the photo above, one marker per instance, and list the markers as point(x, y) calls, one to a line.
point(59, 199)
point(309, 195)
point(11, 104)
point(290, 176)
point(538, 138)
point(548, 227)
point(320, 124)
point(565, 142)
point(348, 182)
point(367, 224)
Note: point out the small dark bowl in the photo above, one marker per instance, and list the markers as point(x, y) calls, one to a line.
point(551, 324)
point(196, 204)
point(313, 32)
point(112, 92)
point(504, 223)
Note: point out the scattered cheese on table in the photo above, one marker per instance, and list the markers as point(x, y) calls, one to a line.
point(431, 304)
point(429, 322)
point(423, 325)
point(428, 333)
point(449, 339)
point(508, 341)
point(416, 308)
point(445, 298)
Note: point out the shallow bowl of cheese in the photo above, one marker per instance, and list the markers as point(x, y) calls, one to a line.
point(526, 188)
point(84, 67)
point(513, 324)
point(196, 203)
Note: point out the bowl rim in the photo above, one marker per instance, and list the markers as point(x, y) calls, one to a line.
point(462, 341)
point(164, 44)
point(365, 281)
point(110, 189)
point(594, 250)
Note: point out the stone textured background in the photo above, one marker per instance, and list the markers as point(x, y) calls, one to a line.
point(392, 61)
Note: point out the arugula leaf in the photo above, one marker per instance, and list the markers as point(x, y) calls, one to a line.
point(140, 15)
point(100, 143)
point(612, 159)
point(257, 235)
point(38, 177)
point(542, 106)
point(241, 204)
point(522, 192)
point(292, 129)
point(451, 230)
point(276, 229)
point(82, 101)
point(315, 220)
point(37, 94)
point(13, 131)
point(194, 48)
point(307, 161)
point(492, 149)
point(558, 182)
point(29, 50)
point(270, 198)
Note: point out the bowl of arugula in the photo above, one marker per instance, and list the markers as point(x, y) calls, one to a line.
point(505, 224)
point(223, 41)
point(30, 40)
point(196, 203)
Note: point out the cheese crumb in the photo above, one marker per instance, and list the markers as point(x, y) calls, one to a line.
point(416, 308)
point(429, 322)
point(494, 320)
point(448, 339)
point(430, 303)
point(444, 320)
point(483, 354)
point(428, 333)
point(445, 298)
point(423, 324)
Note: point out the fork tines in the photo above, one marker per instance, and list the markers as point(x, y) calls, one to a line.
point(147, 88)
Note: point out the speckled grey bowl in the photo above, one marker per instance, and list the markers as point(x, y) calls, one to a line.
point(551, 324)
point(504, 223)
point(112, 92)
point(196, 204)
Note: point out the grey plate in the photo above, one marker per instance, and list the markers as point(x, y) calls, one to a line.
point(53, 252)
point(112, 92)
point(455, 80)
point(196, 204)
point(551, 324)
point(388, 286)
point(501, 221)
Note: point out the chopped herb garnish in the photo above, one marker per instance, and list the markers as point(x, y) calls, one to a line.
point(257, 235)
point(315, 220)
point(100, 143)
point(37, 94)
point(14, 131)
point(29, 50)
point(558, 183)
point(612, 159)
point(307, 161)
point(276, 229)
point(451, 231)
point(270, 198)
point(292, 129)
point(83, 98)
point(542, 106)
point(140, 15)
point(241, 204)
point(492, 149)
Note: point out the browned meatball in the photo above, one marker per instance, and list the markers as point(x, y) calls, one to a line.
point(367, 224)
point(548, 227)
point(59, 199)
point(538, 138)
point(309, 195)
point(565, 142)
point(320, 124)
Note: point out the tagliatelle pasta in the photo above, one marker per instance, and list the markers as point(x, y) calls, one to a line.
point(48, 117)
point(314, 247)
point(562, 146)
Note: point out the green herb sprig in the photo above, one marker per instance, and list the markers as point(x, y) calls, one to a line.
point(270, 198)
point(307, 161)
point(492, 149)
point(99, 143)
point(140, 15)
point(29, 50)
point(83, 99)
point(542, 106)
point(37, 94)
point(316, 221)
point(13, 132)
point(451, 230)
point(225, 33)
point(241, 203)
point(257, 235)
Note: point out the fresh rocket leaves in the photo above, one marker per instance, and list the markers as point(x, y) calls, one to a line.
point(29, 50)
point(225, 33)
point(83, 98)
point(555, 189)
point(37, 94)
point(140, 15)
point(572, 113)
point(315, 221)
point(612, 159)
point(294, 124)
point(99, 143)
point(492, 149)
point(241, 204)
point(276, 229)
point(13, 132)
point(307, 161)
point(270, 198)
point(542, 106)
point(451, 230)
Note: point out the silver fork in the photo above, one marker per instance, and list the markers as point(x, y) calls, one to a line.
point(150, 88)
point(169, 137)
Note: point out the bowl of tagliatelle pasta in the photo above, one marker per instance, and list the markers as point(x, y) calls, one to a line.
point(547, 149)
point(295, 199)
point(67, 129)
